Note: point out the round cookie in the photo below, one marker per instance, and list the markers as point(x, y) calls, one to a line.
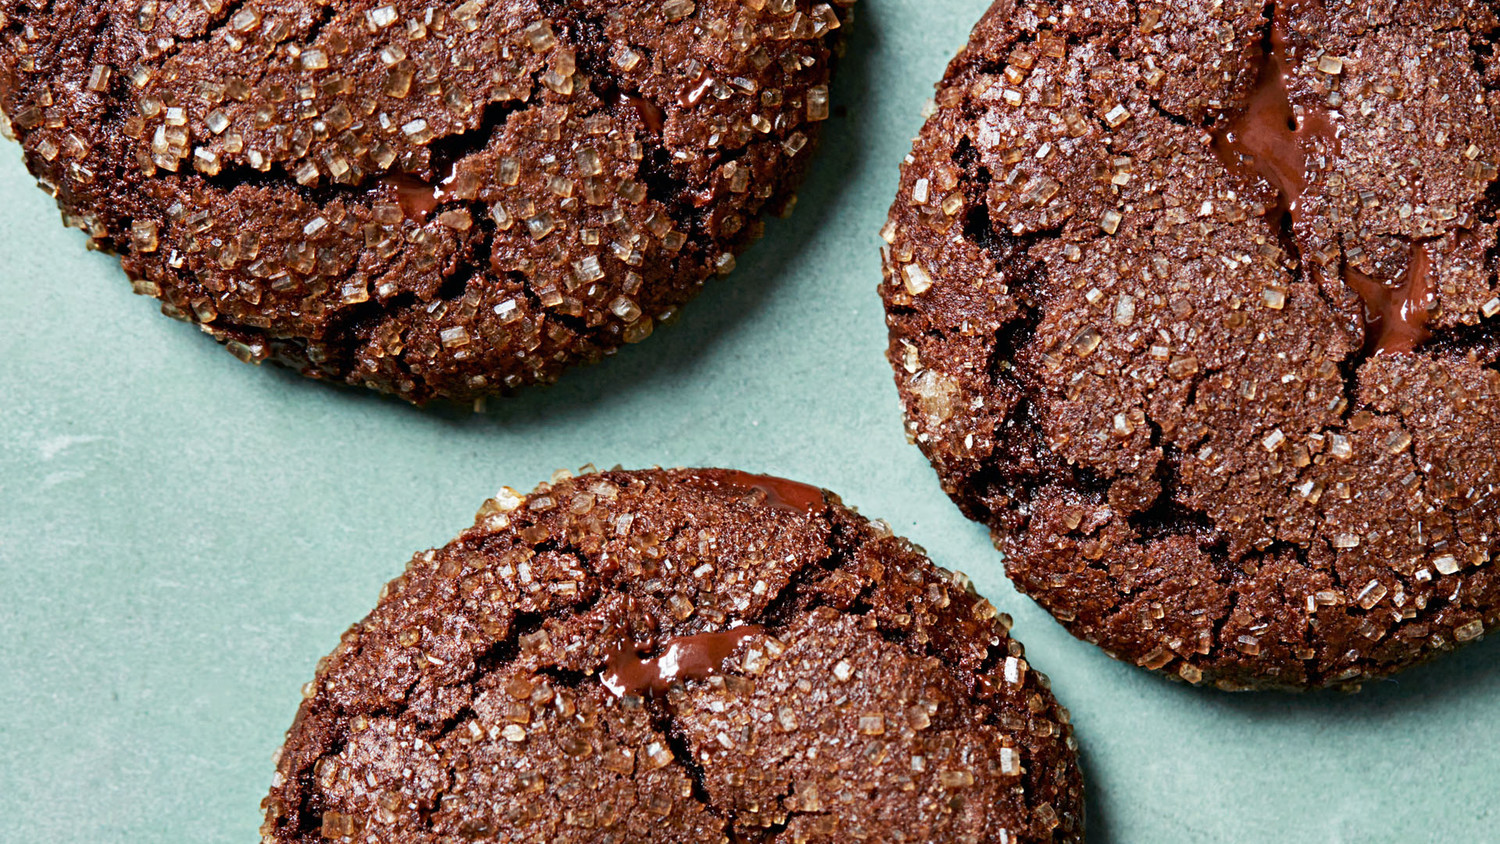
point(448, 199)
point(677, 656)
point(1195, 305)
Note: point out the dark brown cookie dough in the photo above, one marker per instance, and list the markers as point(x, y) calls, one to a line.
point(685, 656)
point(430, 199)
point(1195, 304)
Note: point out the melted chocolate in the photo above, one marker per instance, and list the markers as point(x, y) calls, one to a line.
point(681, 659)
point(1272, 139)
point(650, 114)
point(1276, 141)
point(694, 95)
point(418, 199)
point(779, 492)
point(1396, 315)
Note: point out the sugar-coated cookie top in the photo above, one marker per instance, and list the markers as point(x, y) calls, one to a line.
point(686, 656)
point(430, 199)
point(1195, 304)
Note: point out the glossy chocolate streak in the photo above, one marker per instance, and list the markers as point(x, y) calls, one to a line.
point(1396, 316)
point(418, 199)
point(780, 493)
point(1276, 141)
point(679, 660)
point(1271, 139)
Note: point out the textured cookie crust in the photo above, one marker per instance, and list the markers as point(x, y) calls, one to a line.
point(430, 199)
point(861, 693)
point(1194, 303)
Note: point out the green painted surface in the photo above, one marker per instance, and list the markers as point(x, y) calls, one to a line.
point(183, 536)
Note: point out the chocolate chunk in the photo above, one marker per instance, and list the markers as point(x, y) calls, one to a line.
point(674, 656)
point(446, 200)
point(1195, 305)
point(681, 659)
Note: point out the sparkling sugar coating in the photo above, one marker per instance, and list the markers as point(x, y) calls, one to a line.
point(860, 692)
point(1208, 337)
point(429, 199)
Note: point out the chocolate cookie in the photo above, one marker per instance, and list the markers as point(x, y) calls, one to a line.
point(430, 199)
point(677, 656)
point(1195, 305)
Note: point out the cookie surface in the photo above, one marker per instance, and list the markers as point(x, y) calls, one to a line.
point(447, 199)
point(1195, 305)
point(677, 656)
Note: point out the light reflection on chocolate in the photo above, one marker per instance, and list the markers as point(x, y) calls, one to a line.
point(627, 672)
point(694, 95)
point(1276, 141)
point(417, 198)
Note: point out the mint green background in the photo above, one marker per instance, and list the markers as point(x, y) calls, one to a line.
point(183, 536)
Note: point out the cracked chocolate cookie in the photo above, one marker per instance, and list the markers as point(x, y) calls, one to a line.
point(1195, 305)
point(685, 656)
point(429, 199)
